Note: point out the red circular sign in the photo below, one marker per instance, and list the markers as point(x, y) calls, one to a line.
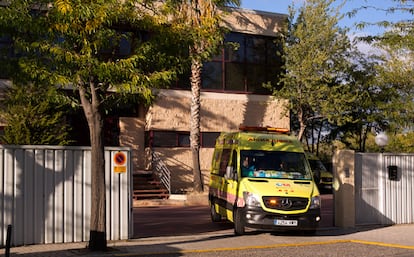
point(119, 158)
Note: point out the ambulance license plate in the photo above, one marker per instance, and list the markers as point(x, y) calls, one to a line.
point(285, 222)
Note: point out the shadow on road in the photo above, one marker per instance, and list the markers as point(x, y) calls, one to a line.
point(191, 220)
point(175, 221)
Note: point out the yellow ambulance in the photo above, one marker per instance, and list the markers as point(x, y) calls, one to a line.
point(324, 177)
point(260, 178)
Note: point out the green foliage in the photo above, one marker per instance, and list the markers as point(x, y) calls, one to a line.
point(389, 104)
point(401, 143)
point(35, 115)
point(382, 84)
point(79, 42)
point(96, 48)
point(199, 22)
point(396, 75)
point(397, 143)
point(368, 111)
point(314, 53)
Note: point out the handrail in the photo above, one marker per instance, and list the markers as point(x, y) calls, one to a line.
point(161, 170)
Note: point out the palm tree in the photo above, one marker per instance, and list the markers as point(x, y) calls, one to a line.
point(202, 19)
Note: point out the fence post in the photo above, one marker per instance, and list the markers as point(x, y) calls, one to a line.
point(8, 240)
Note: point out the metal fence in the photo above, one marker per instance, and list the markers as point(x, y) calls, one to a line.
point(161, 171)
point(384, 188)
point(45, 194)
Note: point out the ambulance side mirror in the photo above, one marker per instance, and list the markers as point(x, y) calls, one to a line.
point(230, 173)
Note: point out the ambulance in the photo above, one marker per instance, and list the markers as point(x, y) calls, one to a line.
point(324, 177)
point(260, 178)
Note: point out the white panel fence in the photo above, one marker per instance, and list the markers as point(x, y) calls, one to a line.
point(381, 198)
point(45, 194)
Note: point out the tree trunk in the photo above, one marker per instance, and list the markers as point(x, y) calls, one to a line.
point(97, 239)
point(196, 66)
point(318, 142)
point(302, 124)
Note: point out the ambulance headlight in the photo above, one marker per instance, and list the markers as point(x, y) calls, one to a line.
point(251, 199)
point(315, 202)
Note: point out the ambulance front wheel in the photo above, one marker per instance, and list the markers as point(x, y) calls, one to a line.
point(215, 217)
point(239, 228)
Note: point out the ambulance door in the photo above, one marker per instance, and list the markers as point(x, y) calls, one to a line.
point(232, 180)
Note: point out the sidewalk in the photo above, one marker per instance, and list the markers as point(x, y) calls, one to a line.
point(397, 236)
point(187, 227)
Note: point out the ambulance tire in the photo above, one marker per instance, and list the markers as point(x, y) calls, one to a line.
point(215, 217)
point(239, 228)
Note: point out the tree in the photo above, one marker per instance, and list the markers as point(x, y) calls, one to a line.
point(201, 20)
point(368, 111)
point(394, 73)
point(35, 115)
point(95, 48)
point(315, 56)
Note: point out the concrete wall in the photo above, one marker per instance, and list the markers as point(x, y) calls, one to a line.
point(219, 111)
point(179, 161)
point(254, 22)
point(132, 131)
point(344, 188)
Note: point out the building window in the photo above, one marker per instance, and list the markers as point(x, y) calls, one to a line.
point(178, 139)
point(183, 139)
point(208, 139)
point(244, 68)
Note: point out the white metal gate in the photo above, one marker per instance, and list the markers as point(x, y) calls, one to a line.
point(45, 194)
point(384, 188)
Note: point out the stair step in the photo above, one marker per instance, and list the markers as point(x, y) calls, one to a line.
point(148, 197)
point(148, 186)
point(141, 182)
point(151, 191)
point(143, 187)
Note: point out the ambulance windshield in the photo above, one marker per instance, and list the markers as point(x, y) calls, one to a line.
point(274, 164)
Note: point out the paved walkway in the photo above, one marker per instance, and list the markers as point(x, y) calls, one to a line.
point(400, 237)
point(168, 229)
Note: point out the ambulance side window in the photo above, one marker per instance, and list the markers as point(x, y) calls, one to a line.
point(225, 157)
point(234, 161)
point(216, 161)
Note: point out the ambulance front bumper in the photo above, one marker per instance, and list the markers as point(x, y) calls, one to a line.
point(258, 218)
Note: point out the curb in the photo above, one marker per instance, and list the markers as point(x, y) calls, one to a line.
point(192, 199)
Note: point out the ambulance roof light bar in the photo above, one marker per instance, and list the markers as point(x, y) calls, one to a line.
point(268, 129)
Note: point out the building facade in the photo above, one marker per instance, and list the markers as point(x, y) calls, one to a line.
point(232, 95)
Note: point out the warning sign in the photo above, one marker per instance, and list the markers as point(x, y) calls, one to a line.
point(120, 161)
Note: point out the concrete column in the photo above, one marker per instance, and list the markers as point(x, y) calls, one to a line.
point(344, 188)
point(132, 131)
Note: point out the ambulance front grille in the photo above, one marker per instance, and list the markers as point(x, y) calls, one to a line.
point(283, 203)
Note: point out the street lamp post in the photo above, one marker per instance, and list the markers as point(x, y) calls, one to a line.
point(381, 139)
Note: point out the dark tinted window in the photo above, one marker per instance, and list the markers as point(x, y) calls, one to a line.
point(208, 139)
point(246, 62)
point(178, 139)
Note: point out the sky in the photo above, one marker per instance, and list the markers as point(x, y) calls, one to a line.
point(372, 16)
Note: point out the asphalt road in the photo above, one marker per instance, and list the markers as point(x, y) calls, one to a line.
point(162, 220)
